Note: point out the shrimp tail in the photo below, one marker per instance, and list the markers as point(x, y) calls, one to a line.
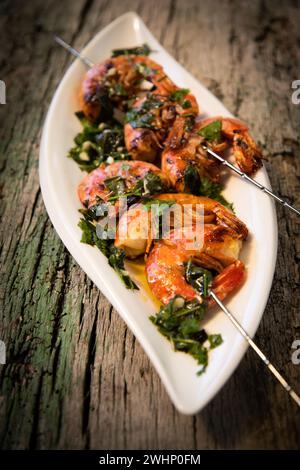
point(229, 280)
point(225, 217)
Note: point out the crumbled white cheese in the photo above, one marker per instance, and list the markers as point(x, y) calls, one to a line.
point(86, 145)
point(111, 72)
point(146, 85)
point(84, 156)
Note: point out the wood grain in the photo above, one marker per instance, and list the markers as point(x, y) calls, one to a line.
point(75, 376)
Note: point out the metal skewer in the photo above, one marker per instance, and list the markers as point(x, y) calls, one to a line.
point(269, 365)
point(251, 180)
point(89, 63)
point(74, 52)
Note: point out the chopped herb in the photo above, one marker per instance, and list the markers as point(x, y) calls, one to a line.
point(186, 104)
point(94, 212)
point(201, 186)
point(214, 191)
point(142, 117)
point(192, 180)
point(116, 185)
point(198, 277)
point(159, 208)
point(138, 120)
point(145, 70)
point(179, 95)
point(144, 49)
point(95, 143)
point(212, 132)
point(114, 255)
point(150, 184)
point(179, 321)
point(160, 203)
point(116, 261)
point(118, 89)
point(102, 96)
point(215, 340)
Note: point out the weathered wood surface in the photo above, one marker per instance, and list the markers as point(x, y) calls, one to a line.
point(75, 375)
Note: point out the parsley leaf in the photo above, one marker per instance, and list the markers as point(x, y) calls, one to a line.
point(144, 49)
point(198, 277)
point(95, 143)
point(150, 184)
point(192, 180)
point(114, 255)
point(179, 95)
point(212, 132)
point(179, 321)
point(201, 186)
point(215, 340)
point(214, 191)
point(142, 117)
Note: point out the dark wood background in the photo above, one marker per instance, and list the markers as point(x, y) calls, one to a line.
point(75, 376)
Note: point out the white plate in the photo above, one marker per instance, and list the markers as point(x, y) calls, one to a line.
point(59, 177)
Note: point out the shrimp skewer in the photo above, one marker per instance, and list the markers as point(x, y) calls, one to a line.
point(166, 263)
point(235, 133)
point(190, 158)
point(152, 120)
point(130, 172)
point(134, 233)
point(157, 101)
point(210, 151)
point(119, 79)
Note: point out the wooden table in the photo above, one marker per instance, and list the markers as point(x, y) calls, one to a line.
point(75, 376)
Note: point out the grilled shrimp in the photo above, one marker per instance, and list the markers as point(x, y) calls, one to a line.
point(93, 185)
point(186, 164)
point(166, 263)
point(134, 233)
point(152, 121)
point(118, 79)
point(132, 77)
point(235, 133)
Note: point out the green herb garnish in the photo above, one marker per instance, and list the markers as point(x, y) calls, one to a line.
point(139, 120)
point(201, 186)
point(116, 185)
point(212, 132)
point(192, 180)
point(179, 95)
point(187, 104)
point(180, 321)
point(214, 191)
point(142, 117)
point(95, 143)
point(144, 49)
point(144, 70)
point(215, 340)
point(159, 208)
point(150, 184)
point(198, 277)
point(114, 255)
